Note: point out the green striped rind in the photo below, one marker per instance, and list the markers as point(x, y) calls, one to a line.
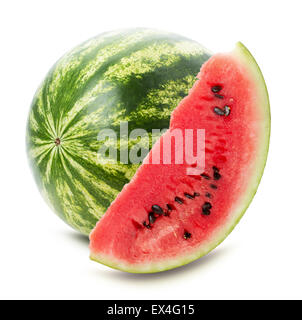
point(138, 76)
point(250, 66)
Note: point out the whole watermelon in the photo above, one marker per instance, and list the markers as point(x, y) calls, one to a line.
point(136, 75)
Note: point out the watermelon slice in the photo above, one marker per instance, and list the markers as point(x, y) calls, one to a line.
point(165, 218)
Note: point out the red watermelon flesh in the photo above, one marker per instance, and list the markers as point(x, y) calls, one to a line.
point(165, 218)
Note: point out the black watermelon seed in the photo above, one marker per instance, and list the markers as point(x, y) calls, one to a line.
point(219, 111)
point(206, 212)
point(152, 218)
point(206, 208)
point(207, 205)
point(227, 110)
point(217, 175)
point(215, 169)
point(179, 200)
point(189, 196)
point(216, 89)
point(146, 225)
point(187, 235)
point(196, 194)
point(213, 186)
point(169, 206)
point(208, 195)
point(204, 175)
point(157, 209)
point(219, 96)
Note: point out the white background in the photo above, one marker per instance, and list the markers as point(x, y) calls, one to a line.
point(41, 257)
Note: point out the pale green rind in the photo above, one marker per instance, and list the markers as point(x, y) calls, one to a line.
point(249, 63)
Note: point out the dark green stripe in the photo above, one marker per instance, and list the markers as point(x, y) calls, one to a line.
point(62, 104)
point(100, 196)
point(116, 181)
point(78, 197)
point(44, 131)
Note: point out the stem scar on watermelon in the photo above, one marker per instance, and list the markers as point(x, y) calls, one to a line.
point(183, 228)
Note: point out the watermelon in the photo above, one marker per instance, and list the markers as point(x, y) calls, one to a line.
point(136, 75)
point(165, 217)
